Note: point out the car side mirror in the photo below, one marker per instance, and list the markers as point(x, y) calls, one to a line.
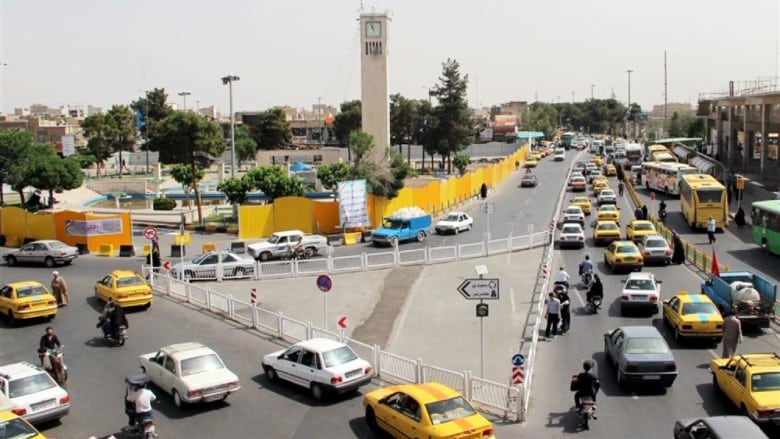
point(659, 281)
point(281, 356)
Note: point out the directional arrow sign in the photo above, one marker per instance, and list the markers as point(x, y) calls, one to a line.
point(479, 289)
point(342, 322)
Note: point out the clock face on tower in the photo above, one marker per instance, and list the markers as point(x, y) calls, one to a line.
point(373, 29)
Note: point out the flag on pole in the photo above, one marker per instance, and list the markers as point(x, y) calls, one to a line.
point(714, 269)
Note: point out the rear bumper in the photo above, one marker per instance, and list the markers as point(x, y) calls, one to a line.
point(33, 314)
point(664, 378)
point(639, 306)
point(48, 415)
point(134, 301)
point(348, 386)
point(211, 396)
point(700, 333)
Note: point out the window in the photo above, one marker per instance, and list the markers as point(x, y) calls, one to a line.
point(646, 345)
point(29, 385)
point(203, 363)
point(699, 308)
point(449, 410)
point(293, 354)
point(739, 375)
point(339, 356)
point(309, 359)
point(169, 365)
point(411, 408)
point(127, 281)
point(710, 195)
point(674, 303)
point(769, 381)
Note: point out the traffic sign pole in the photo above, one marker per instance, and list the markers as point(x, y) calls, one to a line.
point(324, 283)
point(481, 346)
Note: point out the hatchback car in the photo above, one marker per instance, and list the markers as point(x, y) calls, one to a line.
point(640, 355)
point(321, 365)
point(529, 180)
point(623, 255)
point(26, 300)
point(573, 214)
point(455, 222)
point(608, 212)
point(571, 235)
point(656, 249)
point(48, 252)
point(126, 288)
point(33, 392)
point(637, 229)
point(641, 291)
point(605, 232)
point(607, 196)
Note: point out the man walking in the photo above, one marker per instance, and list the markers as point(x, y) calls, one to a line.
point(59, 288)
point(553, 315)
point(711, 227)
point(732, 335)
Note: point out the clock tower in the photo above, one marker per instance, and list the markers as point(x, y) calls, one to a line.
point(375, 101)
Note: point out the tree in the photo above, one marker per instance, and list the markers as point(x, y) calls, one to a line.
point(542, 117)
point(332, 173)
point(246, 146)
point(97, 131)
point(360, 144)
point(385, 183)
point(461, 162)
point(236, 189)
point(12, 144)
point(183, 175)
point(121, 132)
point(348, 120)
point(186, 137)
point(403, 120)
point(153, 108)
point(274, 182)
point(270, 129)
point(453, 130)
point(41, 167)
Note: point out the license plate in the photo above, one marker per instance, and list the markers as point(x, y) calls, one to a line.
point(651, 377)
point(213, 398)
point(353, 373)
point(43, 405)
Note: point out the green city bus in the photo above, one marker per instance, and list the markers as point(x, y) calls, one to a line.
point(766, 225)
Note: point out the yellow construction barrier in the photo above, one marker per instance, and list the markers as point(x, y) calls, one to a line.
point(106, 250)
point(209, 246)
point(147, 249)
point(181, 239)
point(352, 238)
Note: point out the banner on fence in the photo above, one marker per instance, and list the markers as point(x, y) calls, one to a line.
point(106, 226)
point(353, 204)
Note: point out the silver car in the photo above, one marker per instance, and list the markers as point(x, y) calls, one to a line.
point(640, 356)
point(48, 252)
point(655, 248)
point(205, 266)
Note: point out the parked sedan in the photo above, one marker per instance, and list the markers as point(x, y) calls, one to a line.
point(48, 252)
point(320, 365)
point(655, 248)
point(529, 180)
point(205, 266)
point(640, 355)
point(455, 222)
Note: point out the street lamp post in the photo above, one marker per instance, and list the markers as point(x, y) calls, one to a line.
point(228, 80)
point(428, 89)
point(629, 71)
point(184, 95)
point(3, 64)
point(591, 91)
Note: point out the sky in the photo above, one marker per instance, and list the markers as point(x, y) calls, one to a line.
point(296, 53)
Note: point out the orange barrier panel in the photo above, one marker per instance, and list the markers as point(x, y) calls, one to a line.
point(293, 213)
point(326, 216)
point(255, 221)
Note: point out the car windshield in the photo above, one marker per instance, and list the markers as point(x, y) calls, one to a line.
point(273, 239)
point(337, 356)
point(16, 429)
point(201, 258)
point(30, 291)
point(607, 209)
point(639, 284)
point(699, 308)
point(203, 363)
point(646, 345)
point(130, 281)
point(449, 410)
point(642, 226)
point(573, 211)
point(30, 384)
point(762, 382)
point(571, 229)
point(655, 243)
point(451, 217)
point(607, 193)
point(608, 226)
point(626, 249)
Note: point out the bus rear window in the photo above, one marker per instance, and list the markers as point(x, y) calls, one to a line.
point(710, 195)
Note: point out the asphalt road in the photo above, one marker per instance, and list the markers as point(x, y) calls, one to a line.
point(627, 413)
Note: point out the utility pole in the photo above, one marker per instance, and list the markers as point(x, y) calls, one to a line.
point(629, 71)
point(591, 91)
point(184, 95)
point(572, 97)
point(665, 90)
point(319, 120)
point(229, 80)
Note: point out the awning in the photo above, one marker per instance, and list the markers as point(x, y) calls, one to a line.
point(684, 153)
point(703, 165)
point(530, 134)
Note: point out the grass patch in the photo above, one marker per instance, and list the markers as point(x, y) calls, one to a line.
point(221, 219)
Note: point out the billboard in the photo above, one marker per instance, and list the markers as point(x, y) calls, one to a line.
point(353, 204)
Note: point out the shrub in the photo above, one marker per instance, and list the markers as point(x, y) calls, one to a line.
point(163, 204)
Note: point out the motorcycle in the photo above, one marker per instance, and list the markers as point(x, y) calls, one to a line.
point(294, 255)
point(118, 337)
point(53, 363)
point(587, 410)
point(142, 427)
point(662, 214)
point(594, 304)
point(587, 279)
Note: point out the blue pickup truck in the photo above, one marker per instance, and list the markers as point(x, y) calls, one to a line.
point(751, 296)
point(399, 228)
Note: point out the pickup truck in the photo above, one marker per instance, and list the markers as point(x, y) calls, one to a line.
point(750, 296)
point(402, 226)
point(279, 245)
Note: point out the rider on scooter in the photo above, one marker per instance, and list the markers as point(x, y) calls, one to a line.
point(112, 318)
point(562, 278)
point(596, 290)
point(142, 399)
point(587, 384)
point(586, 266)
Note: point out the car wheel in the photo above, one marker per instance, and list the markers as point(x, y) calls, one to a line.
point(420, 236)
point(317, 392)
point(457, 230)
point(177, 399)
point(265, 256)
point(309, 252)
point(677, 336)
point(270, 373)
point(11, 261)
point(148, 305)
point(51, 317)
point(67, 262)
point(371, 419)
point(49, 261)
point(665, 319)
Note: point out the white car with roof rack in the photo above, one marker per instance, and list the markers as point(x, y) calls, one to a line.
point(35, 395)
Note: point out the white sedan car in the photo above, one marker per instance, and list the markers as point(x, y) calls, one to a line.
point(655, 248)
point(574, 214)
point(205, 266)
point(455, 222)
point(641, 292)
point(191, 372)
point(607, 196)
point(321, 365)
point(32, 391)
point(571, 235)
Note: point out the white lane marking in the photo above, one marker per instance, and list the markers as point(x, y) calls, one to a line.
point(512, 298)
point(712, 353)
point(579, 295)
point(527, 200)
point(634, 395)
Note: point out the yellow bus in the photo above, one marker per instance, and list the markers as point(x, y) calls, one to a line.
point(660, 153)
point(702, 197)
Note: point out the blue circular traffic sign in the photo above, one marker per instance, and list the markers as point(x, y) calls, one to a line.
point(324, 283)
point(518, 360)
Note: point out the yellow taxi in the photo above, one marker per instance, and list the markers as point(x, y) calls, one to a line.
point(26, 300)
point(599, 185)
point(13, 426)
point(637, 229)
point(623, 254)
point(531, 162)
point(752, 383)
point(127, 288)
point(597, 160)
point(610, 170)
point(537, 155)
point(693, 316)
point(605, 231)
point(583, 203)
point(608, 212)
point(430, 410)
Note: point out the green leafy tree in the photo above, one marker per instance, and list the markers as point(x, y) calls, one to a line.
point(332, 173)
point(348, 120)
point(84, 160)
point(121, 130)
point(382, 182)
point(453, 130)
point(360, 143)
point(540, 117)
point(274, 182)
point(153, 107)
point(403, 120)
point(270, 129)
point(41, 167)
point(461, 162)
point(183, 175)
point(13, 143)
point(98, 133)
point(246, 146)
point(236, 189)
point(186, 137)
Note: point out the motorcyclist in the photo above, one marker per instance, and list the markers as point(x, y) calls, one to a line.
point(50, 341)
point(111, 319)
point(586, 266)
point(142, 399)
point(662, 210)
point(562, 278)
point(596, 289)
point(587, 384)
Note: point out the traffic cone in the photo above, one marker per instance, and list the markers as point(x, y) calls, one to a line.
point(714, 269)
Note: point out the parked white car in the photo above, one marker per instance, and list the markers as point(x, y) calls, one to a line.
point(574, 214)
point(641, 292)
point(455, 222)
point(48, 252)
point(321, 365)
point(191, 372)
point(33, 392)
point(571, 235)
point(607, 196)
point(280, 244)
point(205, 266)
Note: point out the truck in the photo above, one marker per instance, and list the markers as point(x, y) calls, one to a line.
point(750, 296)
point(405, 224)
point(280, 244)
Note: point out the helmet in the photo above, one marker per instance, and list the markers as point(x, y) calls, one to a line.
point(587, 257)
